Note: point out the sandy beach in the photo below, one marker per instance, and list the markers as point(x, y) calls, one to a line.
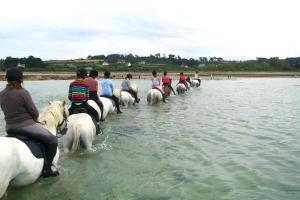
point(148, 75)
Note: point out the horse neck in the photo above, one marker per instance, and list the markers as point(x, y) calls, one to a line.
point(50, 119)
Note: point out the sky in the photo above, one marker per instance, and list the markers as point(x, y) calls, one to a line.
point(70, 29)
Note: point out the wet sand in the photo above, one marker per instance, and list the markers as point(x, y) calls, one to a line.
point(148, 75)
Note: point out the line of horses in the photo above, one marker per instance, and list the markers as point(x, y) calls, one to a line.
point(22, 159)
point(155, 96)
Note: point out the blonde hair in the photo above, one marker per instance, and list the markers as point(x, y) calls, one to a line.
point(14, 85)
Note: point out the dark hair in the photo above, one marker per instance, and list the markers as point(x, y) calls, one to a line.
point(82, 73)
point(181, 73)
point(14, 74)
point(93, 73)
point(129, 76)
point(154, 73)
point(165, 73)
point(106, 74)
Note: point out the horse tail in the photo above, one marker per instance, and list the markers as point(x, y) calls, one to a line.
point(76, 137)
point(149, 99)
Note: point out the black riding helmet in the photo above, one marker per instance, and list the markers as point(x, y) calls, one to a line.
point(81, 73)
point(14, 74)
point(93, 73)
point(154, 73)
point(106, 74)
point(129, 76)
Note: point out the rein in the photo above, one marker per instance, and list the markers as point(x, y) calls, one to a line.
point(59, 128)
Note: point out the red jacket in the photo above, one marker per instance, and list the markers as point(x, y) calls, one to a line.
point(182, 77)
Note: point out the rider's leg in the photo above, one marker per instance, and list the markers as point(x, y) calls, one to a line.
point(172, 88)
point(135, 96)
point(113, 97)
point(91, 111)
point(163, 94)
point(100, 104)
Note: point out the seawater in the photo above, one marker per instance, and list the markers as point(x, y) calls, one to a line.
point(228, 139)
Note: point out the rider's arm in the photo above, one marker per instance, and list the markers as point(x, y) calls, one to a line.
point(112, 87)
point(29, 105)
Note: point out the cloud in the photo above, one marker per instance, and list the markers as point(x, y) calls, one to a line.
point(230, 29)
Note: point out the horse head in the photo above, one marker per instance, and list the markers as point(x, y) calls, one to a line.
point(54, 116)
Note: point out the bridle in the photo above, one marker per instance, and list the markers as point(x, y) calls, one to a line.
point(61, 128)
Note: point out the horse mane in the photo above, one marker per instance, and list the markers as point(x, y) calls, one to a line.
point(51, 115)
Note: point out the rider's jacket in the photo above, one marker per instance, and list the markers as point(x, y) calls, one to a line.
point(18, 107)
point(78, 91)
point(166, 80)
point(182, 77)
point(93, 84)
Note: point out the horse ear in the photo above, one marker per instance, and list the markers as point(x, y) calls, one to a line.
point(49, 102)
point(64, 103)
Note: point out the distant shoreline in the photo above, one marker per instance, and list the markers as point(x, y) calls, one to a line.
point(147, 75)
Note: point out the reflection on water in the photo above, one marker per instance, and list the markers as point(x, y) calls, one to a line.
point(229, 139)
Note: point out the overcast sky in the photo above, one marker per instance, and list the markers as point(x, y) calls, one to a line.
point(232, 29)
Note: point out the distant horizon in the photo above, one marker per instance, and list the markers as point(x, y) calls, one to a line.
point(197, 58)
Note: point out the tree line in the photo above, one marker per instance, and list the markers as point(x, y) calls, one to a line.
point(30, 62)
point(115, 61)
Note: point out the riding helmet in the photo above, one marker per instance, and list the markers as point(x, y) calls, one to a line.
point(82, 72)
point(106, 74)
point(14, 74)
point(93, 73)
point(129, 76)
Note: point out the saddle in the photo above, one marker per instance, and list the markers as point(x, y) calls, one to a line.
point(37, 148)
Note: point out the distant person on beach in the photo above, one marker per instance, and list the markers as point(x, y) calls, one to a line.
point(79, 95)
point(107, 90)
point(126, 86)
point(156, 84)
point(167, 81)
point(93, 89)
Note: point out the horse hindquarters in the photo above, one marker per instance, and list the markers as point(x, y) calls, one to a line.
point(17, 164)
point(154, 96)
point(81, 131)
point(126, 99)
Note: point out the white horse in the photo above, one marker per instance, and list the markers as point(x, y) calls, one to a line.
point(195, 83)
point(181, 88)
point(108, 106)
point(126, 99)
point(18, 166)
point(154, 96)
point(81, 129)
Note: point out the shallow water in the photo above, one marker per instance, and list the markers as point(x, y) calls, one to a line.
point(229, 139)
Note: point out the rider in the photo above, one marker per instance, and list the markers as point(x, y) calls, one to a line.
point(126, 86)
point(197, 77)
point(21, 116)
point(79, 95)
point(156, 84)
point(93, 88)
point(167, 81)
point(107, 90)
point(182, 79)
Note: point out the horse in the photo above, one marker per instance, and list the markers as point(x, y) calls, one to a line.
point(125, 97)
point(154, 96)
point(181, 88)
point(195, 83)
point(81, 129)
point(18, 165)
